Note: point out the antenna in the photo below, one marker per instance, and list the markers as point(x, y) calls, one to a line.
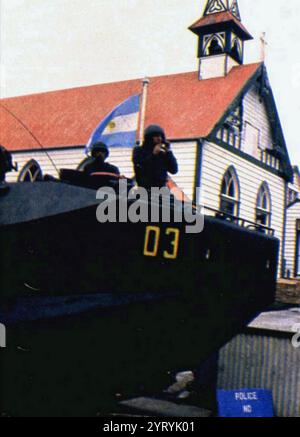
point(30, 133)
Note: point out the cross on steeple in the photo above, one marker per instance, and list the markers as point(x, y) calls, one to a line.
point(263, 46)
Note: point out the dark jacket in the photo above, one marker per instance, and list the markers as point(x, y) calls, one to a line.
point(152, 170)
point(5, 163)
point(98, 165)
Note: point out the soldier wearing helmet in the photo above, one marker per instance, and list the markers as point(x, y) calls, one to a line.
point(99, 154)
point(154, 159)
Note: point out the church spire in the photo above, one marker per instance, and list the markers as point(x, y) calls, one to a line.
point(234, 9)
point(215, 6)
point(221, 38)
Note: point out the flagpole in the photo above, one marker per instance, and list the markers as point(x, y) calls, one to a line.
point(145, 82)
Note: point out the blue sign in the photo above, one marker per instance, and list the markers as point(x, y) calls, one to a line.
point(245, 403)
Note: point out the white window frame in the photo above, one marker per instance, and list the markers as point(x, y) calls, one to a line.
point(225, 197)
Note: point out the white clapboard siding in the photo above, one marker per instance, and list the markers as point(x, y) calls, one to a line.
point(293, 214)
point(185, 153)
point(64, 158)
point(216, 161)
point(255, 113)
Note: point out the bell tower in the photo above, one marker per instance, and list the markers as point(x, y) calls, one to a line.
point(221, 37)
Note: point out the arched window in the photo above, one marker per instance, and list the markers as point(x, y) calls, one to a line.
point(236, 49)
point(214, 44)
point(31, 172)
point(230, 193)
point(84, 163)
point(263, 206)
point(215, 47)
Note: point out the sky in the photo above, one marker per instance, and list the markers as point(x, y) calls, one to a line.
point(54, 44)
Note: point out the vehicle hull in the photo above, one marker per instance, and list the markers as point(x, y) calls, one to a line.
point(92, 309)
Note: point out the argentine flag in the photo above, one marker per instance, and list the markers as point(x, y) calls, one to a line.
point(119, 127)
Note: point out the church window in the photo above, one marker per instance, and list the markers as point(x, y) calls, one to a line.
point(31, 172)
point(214, 44)
point(236, 48)
point(263, 206)
point(215, 47)
point(230, 193)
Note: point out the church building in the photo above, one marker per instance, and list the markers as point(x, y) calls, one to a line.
point(222, 122)
point(292, 229)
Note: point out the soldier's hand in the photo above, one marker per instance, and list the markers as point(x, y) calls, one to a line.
point(157, 149)
point(167, 146)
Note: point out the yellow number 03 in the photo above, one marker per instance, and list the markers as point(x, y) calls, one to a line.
point(155, 231)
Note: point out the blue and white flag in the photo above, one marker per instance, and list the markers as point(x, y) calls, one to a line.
point(119, 127)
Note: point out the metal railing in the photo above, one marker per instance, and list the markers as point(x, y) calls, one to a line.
point(247, 224)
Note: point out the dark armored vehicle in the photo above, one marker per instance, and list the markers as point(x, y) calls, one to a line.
point(91, 309)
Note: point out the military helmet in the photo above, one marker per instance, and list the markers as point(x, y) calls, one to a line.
point(100, 146)
point(153, 130)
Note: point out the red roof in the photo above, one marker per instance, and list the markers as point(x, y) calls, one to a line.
point(183, 105)
point(220, 17)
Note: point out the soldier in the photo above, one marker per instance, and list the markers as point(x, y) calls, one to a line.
point(154, 159)
point(100, 153)
point(6, 164)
